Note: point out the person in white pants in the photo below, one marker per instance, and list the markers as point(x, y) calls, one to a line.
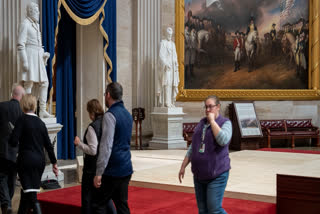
point(237, 45)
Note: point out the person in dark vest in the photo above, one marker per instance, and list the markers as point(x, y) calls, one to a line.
point(10, 111)
point(91, 140)
point(114, 166)
point(209, 157)
point(31, 133)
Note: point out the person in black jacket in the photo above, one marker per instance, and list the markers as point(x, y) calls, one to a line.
point(91, 140)
point(32, 135)
point(10, 111)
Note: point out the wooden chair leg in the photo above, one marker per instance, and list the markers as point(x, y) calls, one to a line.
point(292, 142)
point(269, 143)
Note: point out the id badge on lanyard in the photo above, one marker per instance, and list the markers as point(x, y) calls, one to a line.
point(202, 148)
point(203, 145)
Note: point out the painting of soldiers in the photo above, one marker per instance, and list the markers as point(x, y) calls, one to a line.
point(264, 42)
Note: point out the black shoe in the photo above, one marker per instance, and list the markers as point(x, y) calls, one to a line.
point(4, 209)
point(23, 208)
point(9, 211)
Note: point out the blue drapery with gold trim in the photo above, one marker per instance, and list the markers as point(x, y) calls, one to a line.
point(110, 25)
point(85, 8)
point(66, 85)
point(49, 23)
point(83, 12)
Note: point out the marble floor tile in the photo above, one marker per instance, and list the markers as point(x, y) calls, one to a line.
point(252, 174)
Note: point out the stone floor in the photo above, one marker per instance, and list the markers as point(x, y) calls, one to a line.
point(252, 175)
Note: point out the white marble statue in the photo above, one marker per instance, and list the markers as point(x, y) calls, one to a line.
point(33, 58)
point(168, 74)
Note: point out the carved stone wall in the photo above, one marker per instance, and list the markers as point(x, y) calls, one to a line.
point(11, 14)
point(124, 50)
point(146, 38)
point(140, 27)
point(90, 73)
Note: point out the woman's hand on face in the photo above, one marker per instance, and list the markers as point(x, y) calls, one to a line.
point(76, 141)
point(211, 117)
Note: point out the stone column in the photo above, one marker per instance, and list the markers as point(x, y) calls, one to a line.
point(90, 72)
point(124, 50)
point(146, 40)
point(12, 12)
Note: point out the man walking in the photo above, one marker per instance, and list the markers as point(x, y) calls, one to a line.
point(114, 166)
point(10, 111)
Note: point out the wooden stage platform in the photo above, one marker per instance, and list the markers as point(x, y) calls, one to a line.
point(252, 174)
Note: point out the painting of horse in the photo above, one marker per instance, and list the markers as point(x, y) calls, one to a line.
point(251, 48)
point(289, 46)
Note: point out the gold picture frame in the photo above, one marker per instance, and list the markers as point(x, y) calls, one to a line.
point(312, 93)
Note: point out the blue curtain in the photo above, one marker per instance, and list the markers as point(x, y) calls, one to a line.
point(49, 23)
point(65, 85)
point(110, 26)
point(85, 8)
point(65, 58)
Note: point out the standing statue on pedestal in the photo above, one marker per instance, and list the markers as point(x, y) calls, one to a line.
point(33, 58)
point(168, 75)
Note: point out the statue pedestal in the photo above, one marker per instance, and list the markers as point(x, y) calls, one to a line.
point(167, 128)
point(53, 129)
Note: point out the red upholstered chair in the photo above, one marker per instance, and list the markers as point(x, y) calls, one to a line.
point(188, 130)
point(274, 129)
point(302, 128)
point(289, 129)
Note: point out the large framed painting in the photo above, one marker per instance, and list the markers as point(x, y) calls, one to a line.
point(248, 49)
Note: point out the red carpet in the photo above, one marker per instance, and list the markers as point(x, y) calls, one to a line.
point(289, 150)
point(149, 201)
